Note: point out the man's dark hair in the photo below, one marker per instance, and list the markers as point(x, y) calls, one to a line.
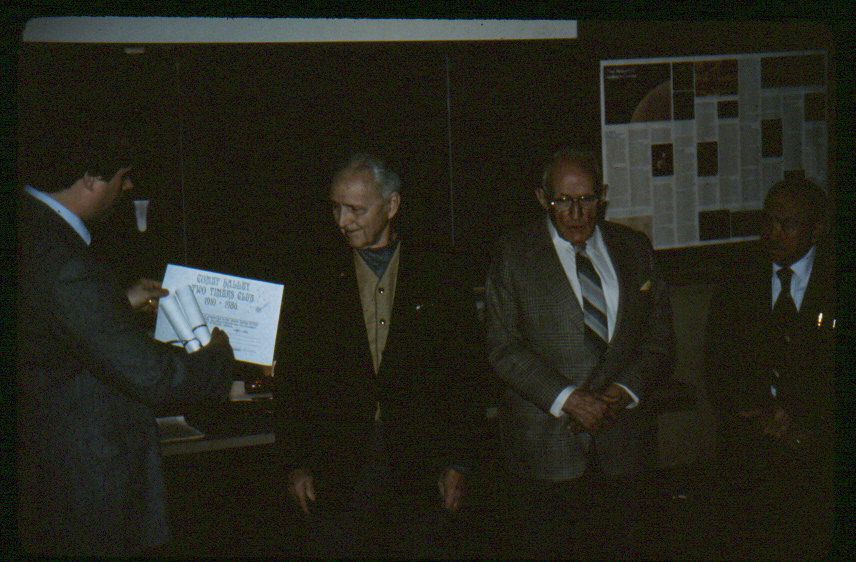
point(587, 161)
point(809, 196)
point(51, 160)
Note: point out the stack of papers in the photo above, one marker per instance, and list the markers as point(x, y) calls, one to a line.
point(176, 428)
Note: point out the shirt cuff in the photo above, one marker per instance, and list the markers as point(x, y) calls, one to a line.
point(556, 408)
point(632, 395)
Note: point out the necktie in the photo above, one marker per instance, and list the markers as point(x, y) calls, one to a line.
point(594, 303)
point(784, 309)
point(784, 317)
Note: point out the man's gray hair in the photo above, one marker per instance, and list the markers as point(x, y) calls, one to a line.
point(388, 181)
point(587, 161)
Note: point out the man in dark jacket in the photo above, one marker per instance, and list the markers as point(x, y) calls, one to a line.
point(374, 381)
point(88, 374)
point(770, 372)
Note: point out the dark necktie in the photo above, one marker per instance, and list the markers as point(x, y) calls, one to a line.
point(594, 303)
point(784, 318)
point(784, 309)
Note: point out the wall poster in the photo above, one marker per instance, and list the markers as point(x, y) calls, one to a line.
point(692, 144)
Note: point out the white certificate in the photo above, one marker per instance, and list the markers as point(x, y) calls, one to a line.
point(246, 309)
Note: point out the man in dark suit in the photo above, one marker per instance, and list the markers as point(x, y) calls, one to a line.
point(770, 373)
point(374, 378)
point(578, 352)
point(88, 374)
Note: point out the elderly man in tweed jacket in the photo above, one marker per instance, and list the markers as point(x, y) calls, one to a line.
point(574, 423)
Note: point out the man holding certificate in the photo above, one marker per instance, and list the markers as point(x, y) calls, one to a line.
point(374, 380)
point(90, 481)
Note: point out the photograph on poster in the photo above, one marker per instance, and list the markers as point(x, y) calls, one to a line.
point(716, 78)
point(661, 160)
point(706, 156)
point(771, 138)
point(637, 92)
point(793, 70)
point(727, 109)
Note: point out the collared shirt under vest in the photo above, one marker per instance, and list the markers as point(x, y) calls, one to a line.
point(376, 296)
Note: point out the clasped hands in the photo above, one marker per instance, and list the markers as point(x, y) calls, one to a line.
point(775, 422)
point(594, 411)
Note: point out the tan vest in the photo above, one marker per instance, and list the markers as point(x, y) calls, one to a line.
point(376, 296)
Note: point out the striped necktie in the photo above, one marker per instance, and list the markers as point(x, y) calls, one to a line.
point(594, 303)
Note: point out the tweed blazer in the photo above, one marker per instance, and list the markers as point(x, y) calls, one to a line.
point(328, 392)
point(536, 344)
point(88, 376)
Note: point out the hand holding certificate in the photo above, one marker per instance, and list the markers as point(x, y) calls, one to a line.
point(191, 309)
point(180, 323)
point(246, 309)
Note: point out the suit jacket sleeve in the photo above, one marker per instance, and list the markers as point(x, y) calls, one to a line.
point(97, 317)
point(294, 375)
point(324, 390)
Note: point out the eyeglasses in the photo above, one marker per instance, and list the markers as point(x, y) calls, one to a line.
point(585, 202)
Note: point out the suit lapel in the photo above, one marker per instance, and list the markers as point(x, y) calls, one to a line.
point(619, 258)
point(545, 266)
point(758, 308)
point(405, 279)
point(812, 302)
point(406, 286)
point(819, 291)
point(345, 282)
point(764, 284)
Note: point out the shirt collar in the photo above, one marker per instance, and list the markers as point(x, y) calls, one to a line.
point(69, 217)
point(801, 267)
point(378, 258)
point(593, 244)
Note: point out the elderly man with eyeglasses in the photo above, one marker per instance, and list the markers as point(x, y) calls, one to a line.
point(579, 329)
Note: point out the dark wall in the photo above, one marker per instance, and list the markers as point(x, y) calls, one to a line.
point(242, 139)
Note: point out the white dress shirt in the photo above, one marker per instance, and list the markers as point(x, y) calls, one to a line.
point(799, 280)
point(599, 255)
point(73, 220)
